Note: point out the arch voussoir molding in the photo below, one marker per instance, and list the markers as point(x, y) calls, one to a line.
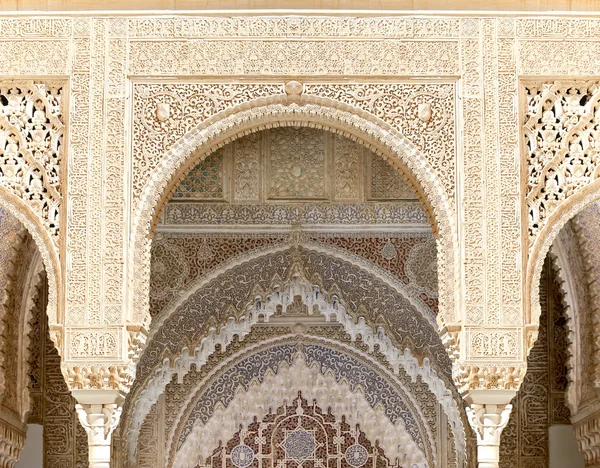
point(48, 251)
point(541, 246)
point(297, 110)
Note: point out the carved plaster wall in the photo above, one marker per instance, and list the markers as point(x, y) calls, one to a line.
point(32, 117)
point(541, 400)
point(578, 273)
point(13, 235)
point(178, 395)
point(107, 59)
point(188, 252)
point(52, 406)
point(303, 433)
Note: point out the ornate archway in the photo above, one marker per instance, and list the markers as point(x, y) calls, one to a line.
point(300, 110)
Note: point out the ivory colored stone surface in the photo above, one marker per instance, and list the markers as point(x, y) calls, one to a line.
point(439, 5)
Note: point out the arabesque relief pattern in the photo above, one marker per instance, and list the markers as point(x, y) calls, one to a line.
point(101, 55)
point(301, 433)
point(541, 400)
point(176, 391)
point(31, 146)
point(52, 406)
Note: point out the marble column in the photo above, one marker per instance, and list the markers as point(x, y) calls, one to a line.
point(99, 412)
point(489, 412)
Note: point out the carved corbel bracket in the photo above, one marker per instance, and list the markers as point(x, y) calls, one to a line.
point(99, 376)
point(12, 441)
point(484, 376)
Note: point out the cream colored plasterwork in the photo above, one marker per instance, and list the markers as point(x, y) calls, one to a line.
point(31, 168)
point(414, 110)
point(481, 266)
point(560, 140)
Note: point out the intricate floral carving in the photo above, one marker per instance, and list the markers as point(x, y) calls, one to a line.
point(501, 376)
point(188, 105)
point(401, 106)
point(540, 401)
point(265, 397)
point(296, 58)
point(65, 442)
point(99, 376)
point(296, 162)
point(298, 298)
point(181, 154)
point(189, 214)
point(303, 433)
point(208, 395)
point(32, 130)
point(560, 134)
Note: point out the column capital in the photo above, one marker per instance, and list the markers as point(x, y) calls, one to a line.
point(587, 433)
point(99, 412)
point(488, 414)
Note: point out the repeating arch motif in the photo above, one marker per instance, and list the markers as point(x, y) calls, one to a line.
point(151, 384)
point(200, 404)
point(276, 389)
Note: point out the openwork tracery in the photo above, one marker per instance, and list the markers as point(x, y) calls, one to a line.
point(302, 434)
point(31, 129)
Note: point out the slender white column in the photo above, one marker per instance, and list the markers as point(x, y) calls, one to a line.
point(99, 413)
point(488, 414)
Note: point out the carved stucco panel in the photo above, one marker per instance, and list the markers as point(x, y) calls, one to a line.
point(423, 113)
point(560, 140)
point(278, 112)
point(53, 55)
point(204, 392)
point(295, 27)
point(587, 227)
point(293, 58)
point(567, 254)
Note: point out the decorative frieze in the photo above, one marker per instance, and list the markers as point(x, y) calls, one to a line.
point(293, 58)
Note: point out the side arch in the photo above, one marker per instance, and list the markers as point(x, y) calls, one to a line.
point(541, 246)
point(47, 247)
point(260, 114)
